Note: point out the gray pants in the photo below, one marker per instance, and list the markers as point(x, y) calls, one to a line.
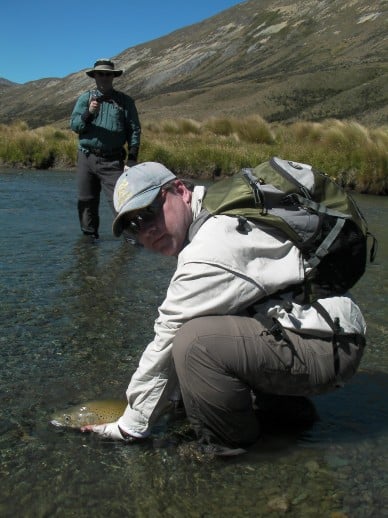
point(221, 360)
point(94, 173)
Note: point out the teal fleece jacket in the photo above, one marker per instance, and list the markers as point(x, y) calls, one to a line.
point(116, 124)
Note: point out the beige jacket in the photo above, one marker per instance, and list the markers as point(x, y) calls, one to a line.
point(222, 272)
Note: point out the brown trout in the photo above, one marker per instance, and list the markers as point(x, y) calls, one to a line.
point(91, 412)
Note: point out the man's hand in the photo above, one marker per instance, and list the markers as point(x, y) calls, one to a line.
point(109, 431)
point(94, 107)
point(132, 156)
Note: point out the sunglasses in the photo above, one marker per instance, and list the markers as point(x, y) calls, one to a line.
point(104, 74)
point(145, 217)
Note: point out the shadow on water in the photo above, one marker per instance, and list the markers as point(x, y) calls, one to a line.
point(355, 412)
point(352, 414)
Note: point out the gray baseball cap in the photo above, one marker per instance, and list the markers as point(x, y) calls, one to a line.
point(137, 188)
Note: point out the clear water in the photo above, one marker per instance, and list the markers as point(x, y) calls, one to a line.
point(74, 319)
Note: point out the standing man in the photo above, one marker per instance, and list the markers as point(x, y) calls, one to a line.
point(105, 120)
point(215, 334)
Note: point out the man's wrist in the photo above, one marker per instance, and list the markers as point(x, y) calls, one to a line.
point(127, 437)
point(87, 116)
point(132, 154)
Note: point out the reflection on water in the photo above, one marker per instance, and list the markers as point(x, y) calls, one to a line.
point(74, 319)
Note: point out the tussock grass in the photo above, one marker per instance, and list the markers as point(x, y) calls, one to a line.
point(41, 148)
point(175, 127)
point(252, 129)
point(356, 156)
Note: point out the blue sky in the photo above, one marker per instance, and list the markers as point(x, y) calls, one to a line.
point(47, 38)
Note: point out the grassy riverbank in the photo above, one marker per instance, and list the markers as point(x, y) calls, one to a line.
point(353, 154)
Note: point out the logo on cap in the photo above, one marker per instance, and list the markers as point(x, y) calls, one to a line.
point(123, 194)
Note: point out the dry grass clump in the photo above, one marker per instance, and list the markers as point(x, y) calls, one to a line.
point(41, 148)
point(174, 127)
point(252, 129)
point(356, 156)
point(215, 146)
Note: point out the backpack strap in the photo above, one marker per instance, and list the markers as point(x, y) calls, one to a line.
point(337, 331)
point(306, 203)
point(203, 216)
point(324, 247)
point(373, 250)
point(257, 192)
point(318, 208)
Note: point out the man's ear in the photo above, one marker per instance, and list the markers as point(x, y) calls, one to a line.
point(183, 191)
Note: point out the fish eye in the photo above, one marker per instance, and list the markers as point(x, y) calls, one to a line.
point(67, 418)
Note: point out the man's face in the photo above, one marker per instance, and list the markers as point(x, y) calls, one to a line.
point(166, 232)
point(104, 81)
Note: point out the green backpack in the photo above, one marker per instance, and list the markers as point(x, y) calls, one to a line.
point(317, 215)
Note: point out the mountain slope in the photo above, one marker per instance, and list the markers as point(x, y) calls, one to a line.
point(284, 60)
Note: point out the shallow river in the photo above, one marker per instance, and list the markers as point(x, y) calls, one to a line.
point(74, 320)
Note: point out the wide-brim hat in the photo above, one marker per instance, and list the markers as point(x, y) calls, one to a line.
point(137, 188)
point(103, 65)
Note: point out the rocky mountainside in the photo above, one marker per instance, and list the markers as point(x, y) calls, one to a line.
point(281, 59)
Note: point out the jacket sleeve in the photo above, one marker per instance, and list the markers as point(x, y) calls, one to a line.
point(81, 118)
point(195, 290)
point(133, 128)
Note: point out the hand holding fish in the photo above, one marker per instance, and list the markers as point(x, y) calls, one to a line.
point(109, 431)
point(92, 416)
